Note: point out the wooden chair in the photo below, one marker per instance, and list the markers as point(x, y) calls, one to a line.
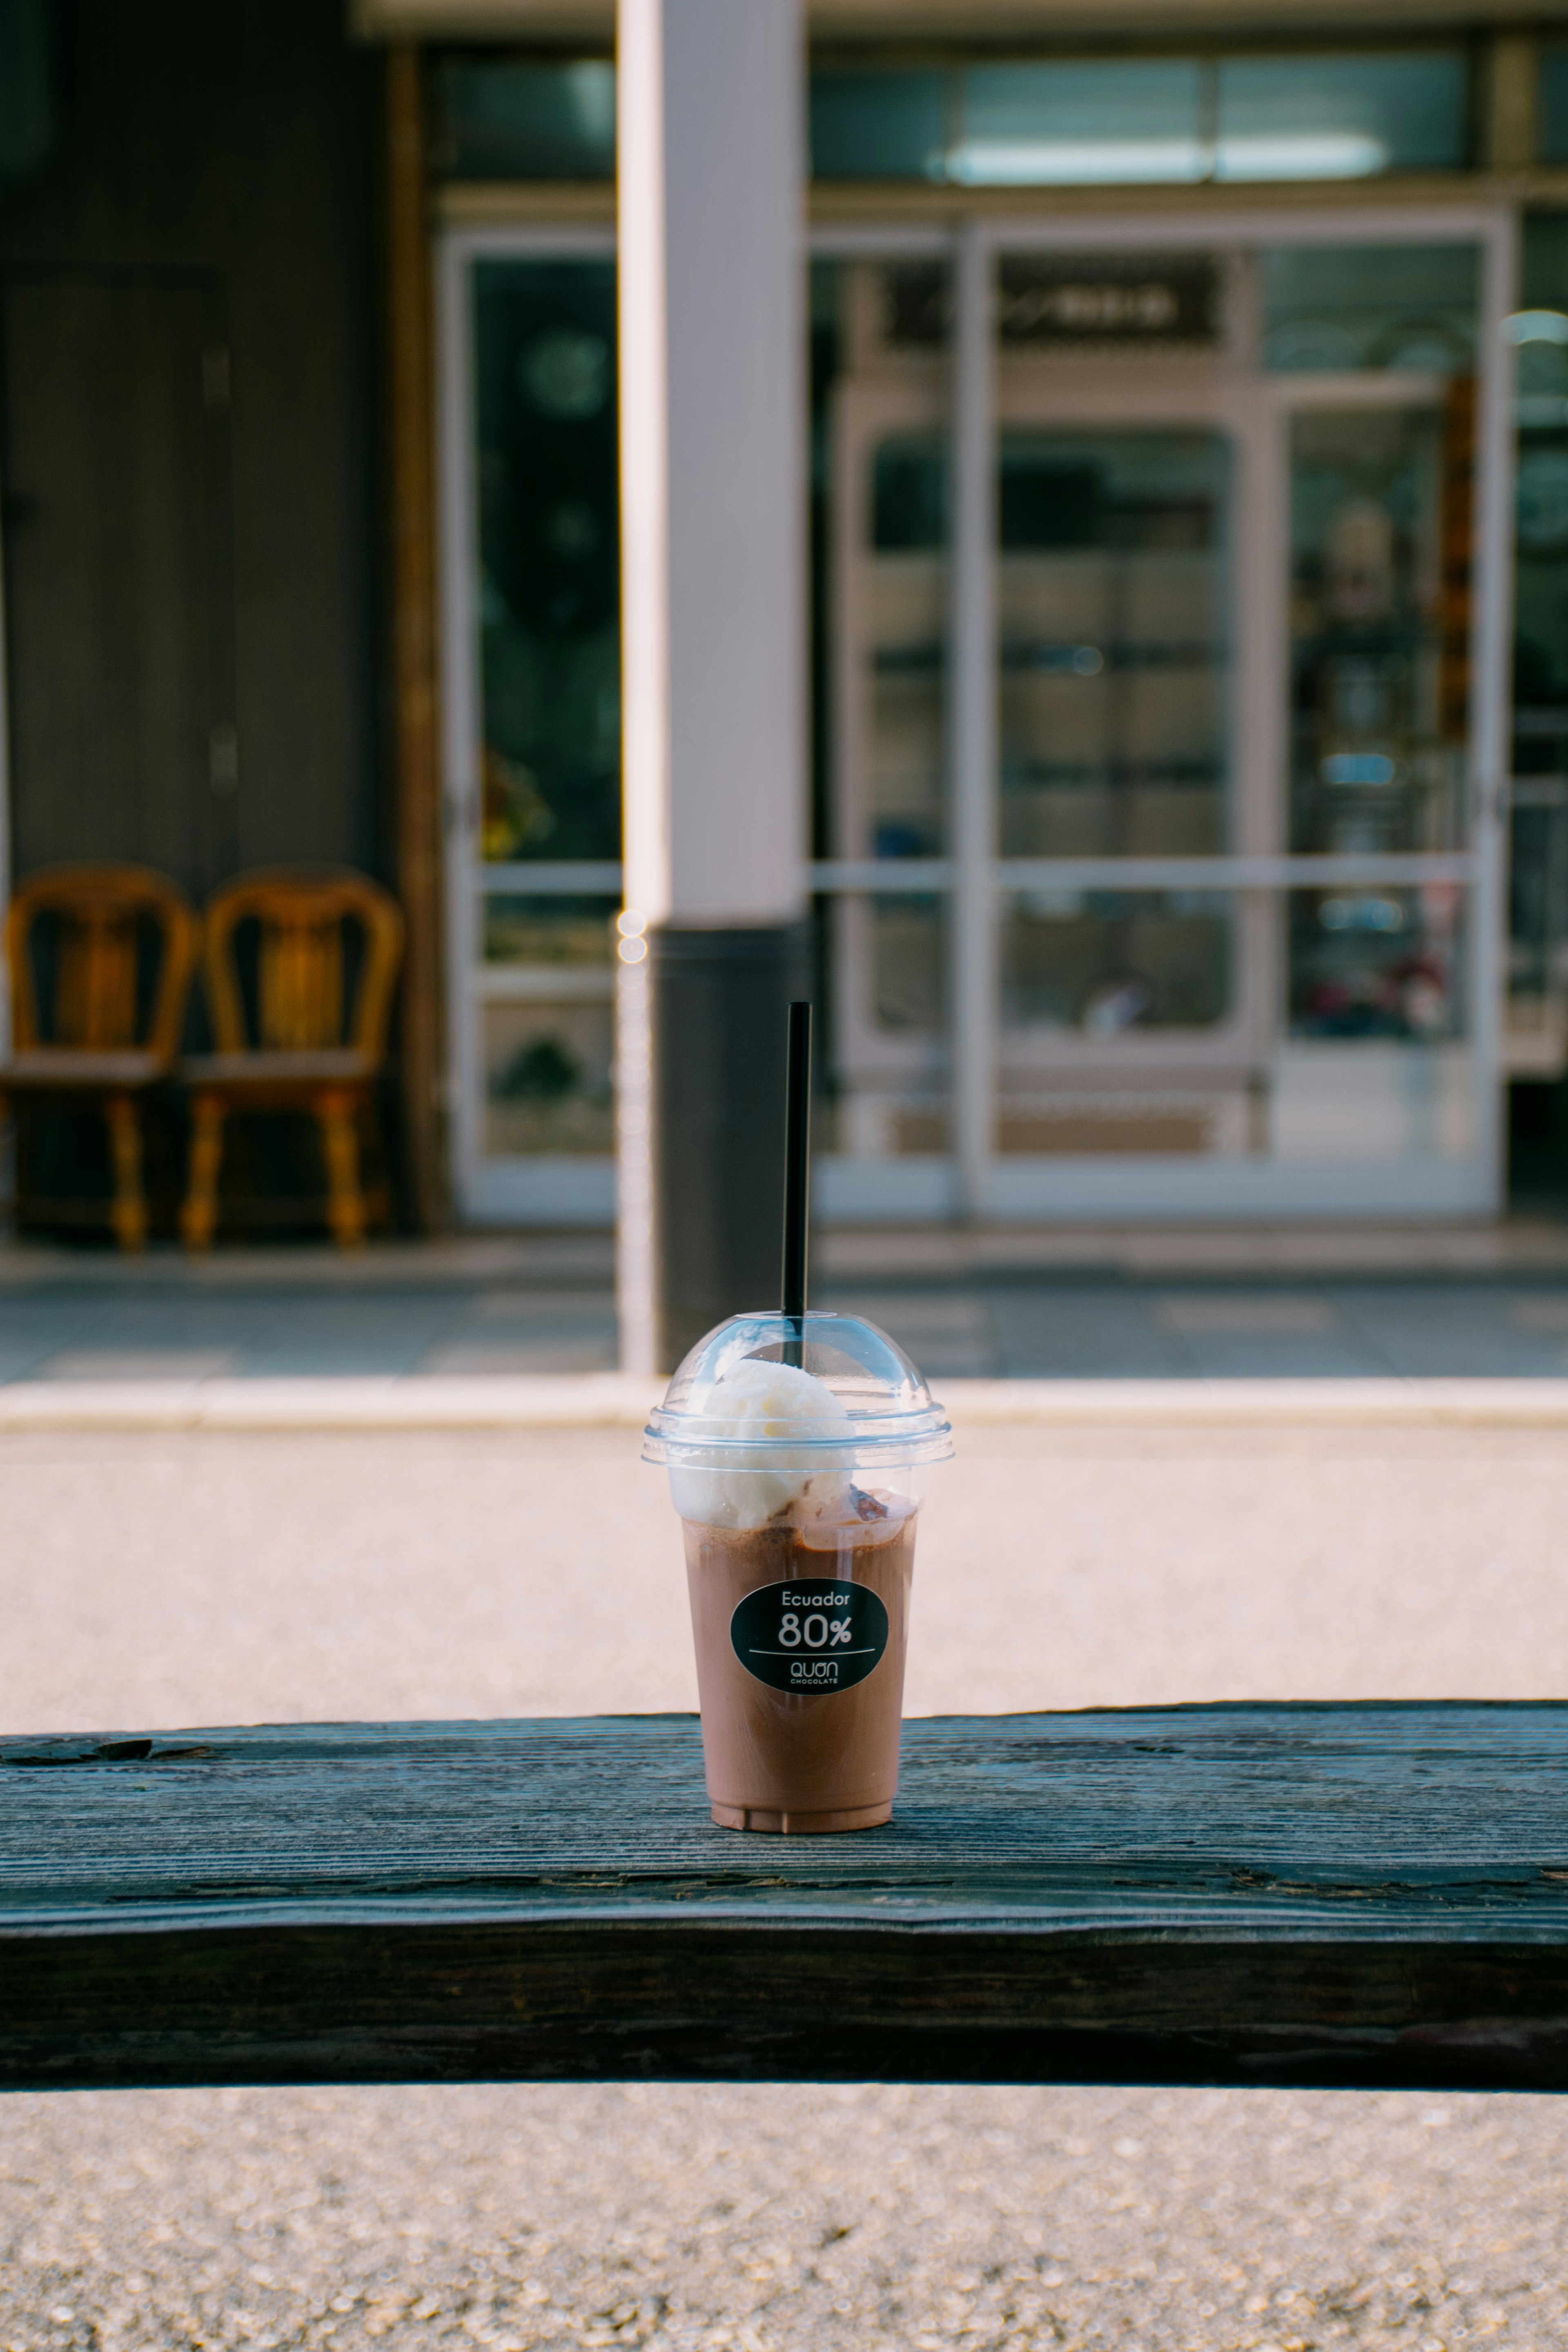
point(95, 1032)
point(310, 1034)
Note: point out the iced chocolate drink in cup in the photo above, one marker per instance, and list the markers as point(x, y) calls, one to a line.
point(796, 1446)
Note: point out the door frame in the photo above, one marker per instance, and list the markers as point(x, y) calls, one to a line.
point(557, 1189)
point(976, 1181)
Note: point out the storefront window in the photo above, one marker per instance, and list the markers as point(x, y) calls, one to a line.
point(1340, 118)
point(1144, 122)
point(499, 117)
point(557, 932)
point(905, 812)
point(1107, 962)
point(1407, 308)
point(1022, 122)
point(886, 125)
point(540, 884)
point(1049, 806)
point(548, 996)
point(1382, 962)
point(1114, 643)
point(544, 344)
point(547, 1076)
point(1079, 125)
point(1554, 125)
point(1380, 626)
point(881, 525)
point(886, 991)
point(910, 958)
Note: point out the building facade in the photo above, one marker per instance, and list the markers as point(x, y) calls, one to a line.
point(1183, 513)
point(1185, 832)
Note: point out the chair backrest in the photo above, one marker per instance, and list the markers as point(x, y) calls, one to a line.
point(299, 1002)
point(98, 1003)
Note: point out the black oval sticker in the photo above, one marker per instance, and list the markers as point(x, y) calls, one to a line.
point(815, 1634)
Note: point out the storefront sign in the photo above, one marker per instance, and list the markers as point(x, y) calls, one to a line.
point(1044, 298)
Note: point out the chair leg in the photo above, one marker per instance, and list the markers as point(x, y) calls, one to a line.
point(377, 1195)
point(340, 1141)
point(129, 1215)
point(198, 1215)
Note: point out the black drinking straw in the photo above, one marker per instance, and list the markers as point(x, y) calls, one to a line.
point(797, 1178)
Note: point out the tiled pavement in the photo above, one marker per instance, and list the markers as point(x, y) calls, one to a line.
point(549, 1308)
point(1046, 1329)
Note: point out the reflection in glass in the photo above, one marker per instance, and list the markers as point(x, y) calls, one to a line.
point(1380, 626)
point(1145, 122)
point(878, 125)
point(1540, 379)
point(1103, 963)
point(1114, 631)
point(880, 486)
point(564, 930)
point(1407, 308)
point(1538, 898)
point(1317, 117)
point(1068, 122)
point(548, 527)
point(499, 118)
point(1073, 125)
point(1381, 963)
point(886, 1037)
point(909, 958)
point(906, 657)
point(1554, 101)
point(547, 1078)
point(879, 557)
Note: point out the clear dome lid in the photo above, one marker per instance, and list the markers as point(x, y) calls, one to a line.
point(870, 1385)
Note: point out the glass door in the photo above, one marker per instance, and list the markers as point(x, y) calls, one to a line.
point(1113, 553)
point(1174, 832)
point(532, 723)
point(1157, 716)
point(1116, 630)
point(881, 494)
point(1391, 1025)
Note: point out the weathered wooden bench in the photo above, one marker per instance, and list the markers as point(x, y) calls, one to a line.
point(1326, 1894)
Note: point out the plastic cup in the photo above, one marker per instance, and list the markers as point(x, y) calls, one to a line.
point(796, 1451)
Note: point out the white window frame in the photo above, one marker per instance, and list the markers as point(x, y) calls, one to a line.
point(976, 1181)
point(546, 1189)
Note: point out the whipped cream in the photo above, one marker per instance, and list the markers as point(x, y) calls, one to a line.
point(744, 1487)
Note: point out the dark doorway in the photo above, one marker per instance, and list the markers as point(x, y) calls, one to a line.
point(115, 463)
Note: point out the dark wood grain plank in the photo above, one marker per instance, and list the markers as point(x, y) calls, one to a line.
point(1359, 1895)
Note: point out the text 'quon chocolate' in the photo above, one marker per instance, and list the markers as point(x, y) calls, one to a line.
point(815, 1635)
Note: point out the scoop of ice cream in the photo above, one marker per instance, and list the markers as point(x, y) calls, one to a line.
point(744, 1485)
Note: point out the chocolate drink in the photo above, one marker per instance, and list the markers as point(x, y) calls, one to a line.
point(801, 1688)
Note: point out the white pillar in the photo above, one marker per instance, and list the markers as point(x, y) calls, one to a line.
point(972, 720)
point(712, 365)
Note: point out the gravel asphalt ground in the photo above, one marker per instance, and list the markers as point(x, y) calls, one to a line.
point(164, 1580)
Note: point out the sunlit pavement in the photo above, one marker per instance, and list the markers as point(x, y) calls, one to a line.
point(1290, 1303)
point(165, 1579)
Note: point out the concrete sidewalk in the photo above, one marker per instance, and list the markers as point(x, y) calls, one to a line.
point(166, 1579)
point(1353, 1303)
point(172, 1577)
